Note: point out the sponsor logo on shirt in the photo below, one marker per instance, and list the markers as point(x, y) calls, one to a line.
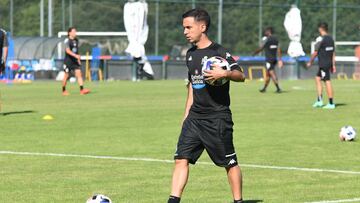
point(197, 80)
point(205, 58)
point(273, 46)
point(329, 48)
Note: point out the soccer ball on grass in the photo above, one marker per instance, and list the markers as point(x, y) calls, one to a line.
point(99, 199)
point(347, 133)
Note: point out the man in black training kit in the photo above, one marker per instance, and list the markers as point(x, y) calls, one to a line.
point(325, 51)
point(72, 62)
point(3, 54)
point(3, 50)
point(272, 50)
point(207, 121)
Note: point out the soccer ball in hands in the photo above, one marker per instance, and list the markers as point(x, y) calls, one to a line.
point(347, 133)
point(221, 62)
point(99, 199)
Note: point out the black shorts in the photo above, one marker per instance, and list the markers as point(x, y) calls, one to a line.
point(324, 74)
point(270, 65)
point(214, 135)
point(68, 67)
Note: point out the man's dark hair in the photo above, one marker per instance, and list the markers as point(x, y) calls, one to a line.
point(270, 29)
point(199, 15)
point(324, 26)
point(70, 29)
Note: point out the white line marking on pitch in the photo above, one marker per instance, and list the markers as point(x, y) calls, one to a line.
point(338, 201)
point(172, 161)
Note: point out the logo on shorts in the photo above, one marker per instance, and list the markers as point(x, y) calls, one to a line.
point(268, 65)
point(323, 74)
point(66, 69)
point(232, 162)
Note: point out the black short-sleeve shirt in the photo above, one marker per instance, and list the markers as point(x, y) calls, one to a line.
point(208, 101)
point(270, 45)
point(3, 42)
point(325, 47)
point(73, 45)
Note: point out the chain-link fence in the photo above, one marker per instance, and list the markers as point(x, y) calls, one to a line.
point(240, 28)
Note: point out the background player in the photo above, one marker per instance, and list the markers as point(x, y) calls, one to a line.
point(3, 50)
point(72, 61)
point(272, 50)
point(207, 122)
point(325, 51)
point(3, 54)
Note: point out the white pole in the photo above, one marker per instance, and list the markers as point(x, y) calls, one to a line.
point(41, 18)
point(50, 16)
point(70, 14)
point(63, 14)
point(11, 17)
point(260, 20)
point(334, 19)
point(157, 28)
point(220, 10)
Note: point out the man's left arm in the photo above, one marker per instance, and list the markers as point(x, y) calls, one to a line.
point(5, 48)
point(217, 73)
point(280, 62)
point(333, 70)
point(5, 54)
point(235, 73)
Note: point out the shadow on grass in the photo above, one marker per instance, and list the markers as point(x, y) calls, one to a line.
point(340, 104)
point(283, 92)
point(252, 201)
point(15, 112)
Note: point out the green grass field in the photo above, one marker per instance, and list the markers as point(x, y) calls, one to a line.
point(142, 120)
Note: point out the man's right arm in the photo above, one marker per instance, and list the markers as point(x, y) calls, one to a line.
point(258, 50)
point(315, 54)
point(261, 47)
point(189, 100)
point(3, 58)
point(312, 58)
point(68, 50)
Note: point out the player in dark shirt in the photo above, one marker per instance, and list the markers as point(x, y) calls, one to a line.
point(3, 50)
point(3, 53)
point(72, 62)
point(272, 52)
point(325, 51)
point(207, 121)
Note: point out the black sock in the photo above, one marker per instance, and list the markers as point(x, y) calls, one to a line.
point(265, 86)
point(64, 88)
point(81, 87)
point(277, 86)
point(331, 101)
point(173, 199)
point(238, 201)
point(319, 98)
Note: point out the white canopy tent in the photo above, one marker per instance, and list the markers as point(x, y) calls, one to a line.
point(137, 29)
point(293, 26)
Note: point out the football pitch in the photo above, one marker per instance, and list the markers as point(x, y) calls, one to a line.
point(120, 139)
